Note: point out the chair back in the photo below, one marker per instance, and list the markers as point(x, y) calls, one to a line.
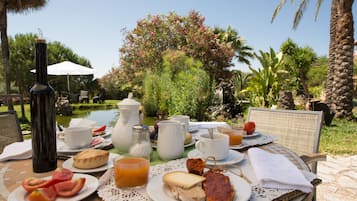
point(296, 129)
point(83, 93)
point(10, 130)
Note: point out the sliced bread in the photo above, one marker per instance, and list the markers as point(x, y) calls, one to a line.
point(182, 179)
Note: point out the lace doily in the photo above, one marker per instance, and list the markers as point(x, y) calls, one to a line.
point(109, 192)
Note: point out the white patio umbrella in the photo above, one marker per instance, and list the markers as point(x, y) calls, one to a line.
point(67, 68)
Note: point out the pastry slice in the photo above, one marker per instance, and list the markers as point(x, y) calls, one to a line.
point(90, 158)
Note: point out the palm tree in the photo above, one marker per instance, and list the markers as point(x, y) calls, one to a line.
point(230, 36)
point(343, 69)
point(17, 6)
point(339, 81)
point(332, 57)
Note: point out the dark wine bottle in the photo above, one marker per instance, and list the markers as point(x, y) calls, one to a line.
point(43, 115)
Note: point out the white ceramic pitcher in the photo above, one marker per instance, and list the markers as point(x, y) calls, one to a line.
point(170, 143)
point(128, 117)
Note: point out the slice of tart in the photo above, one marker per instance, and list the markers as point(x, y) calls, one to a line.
point(90, 158)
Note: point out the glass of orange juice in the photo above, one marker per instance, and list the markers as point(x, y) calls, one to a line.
point(235, 136)
point(131, 172)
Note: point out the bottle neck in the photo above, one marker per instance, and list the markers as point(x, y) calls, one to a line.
point(41, 62)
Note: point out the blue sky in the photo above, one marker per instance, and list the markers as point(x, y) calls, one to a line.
point(92, 28)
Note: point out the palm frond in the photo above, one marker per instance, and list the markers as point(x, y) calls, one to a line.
point(318, 5)
point(277, 10)
point(299, 12)
point(19, 6)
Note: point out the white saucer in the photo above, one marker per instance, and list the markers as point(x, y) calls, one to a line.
point(252, 135)
point(154, 145)
point(63, 148)
point(232, 158)
point(69, 165)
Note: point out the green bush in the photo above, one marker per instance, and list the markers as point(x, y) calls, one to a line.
point(182, 87)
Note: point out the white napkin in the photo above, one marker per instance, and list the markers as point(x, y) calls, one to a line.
point(17, 151)
point(276, 171)
point(207, 124)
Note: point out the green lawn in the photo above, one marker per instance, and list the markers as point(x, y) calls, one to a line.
point(339, 138)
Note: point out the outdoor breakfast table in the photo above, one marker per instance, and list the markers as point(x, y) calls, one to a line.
point(14, 172)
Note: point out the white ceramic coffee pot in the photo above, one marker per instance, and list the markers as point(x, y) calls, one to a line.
point(128, 117)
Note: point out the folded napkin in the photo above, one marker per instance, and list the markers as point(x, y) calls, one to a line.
point(208, 124)
point(276, 171)
point(17, 151)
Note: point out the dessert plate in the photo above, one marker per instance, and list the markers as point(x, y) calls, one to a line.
point(63, 148)
point(154, 145)
point(232, 158)
point(252, 135)
point(157, 191)
point(69, 165)
point(91, 185)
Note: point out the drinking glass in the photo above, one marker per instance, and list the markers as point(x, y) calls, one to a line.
point(131, 172)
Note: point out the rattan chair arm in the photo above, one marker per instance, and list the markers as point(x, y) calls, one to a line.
point(313, 158)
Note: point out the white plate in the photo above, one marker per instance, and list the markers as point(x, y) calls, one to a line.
point(238, 146)
point(91, 185)
point(154, 145)
point(252, 135)
point(158, 191)
point(106, 133)
point(232, 158)
point(69, 165)
point(63, 148)
point(193, 128)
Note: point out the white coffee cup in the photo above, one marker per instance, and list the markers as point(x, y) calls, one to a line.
point(218, 147)
point(77, 137)
point(183, 119)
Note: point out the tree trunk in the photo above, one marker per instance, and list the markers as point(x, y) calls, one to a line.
point(329, 88)
point(344, 60)
point(286, 100)
point(5, 51)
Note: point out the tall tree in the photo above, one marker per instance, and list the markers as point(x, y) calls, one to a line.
point(144, 45)
point(340, 76)
point(17, 6)
point(330, 85)
point(343, 92)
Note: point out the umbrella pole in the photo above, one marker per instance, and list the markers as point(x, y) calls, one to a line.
point(68, 83)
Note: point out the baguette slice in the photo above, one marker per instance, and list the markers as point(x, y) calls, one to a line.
point(182, 179)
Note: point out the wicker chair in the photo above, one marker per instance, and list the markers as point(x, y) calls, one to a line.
point(10, 130)
point(297, 130)
point(83, 96)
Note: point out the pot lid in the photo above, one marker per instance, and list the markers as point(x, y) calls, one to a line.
point(129, 102)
